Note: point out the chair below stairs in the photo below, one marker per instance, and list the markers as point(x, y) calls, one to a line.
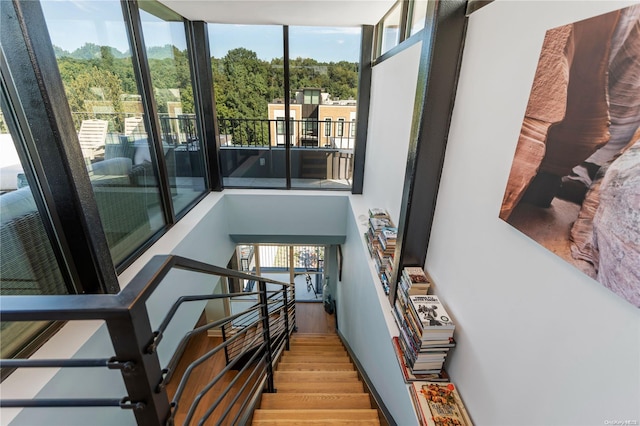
point(316, 383)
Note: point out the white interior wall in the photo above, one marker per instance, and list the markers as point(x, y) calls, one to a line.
point(393, 91)
point(539, 343)
point(364, 313)
point(272, 215)
point(366, 322)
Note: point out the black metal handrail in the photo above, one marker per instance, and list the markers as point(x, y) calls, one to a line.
point(136, 344)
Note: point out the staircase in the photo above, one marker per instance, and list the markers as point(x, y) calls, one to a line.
point(316, 383)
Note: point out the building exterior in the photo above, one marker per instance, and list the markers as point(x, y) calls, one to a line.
point(316, 120)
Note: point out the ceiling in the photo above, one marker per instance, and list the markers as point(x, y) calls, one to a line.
point(330, 13)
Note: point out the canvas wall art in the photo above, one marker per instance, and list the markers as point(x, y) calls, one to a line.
point(574, 185)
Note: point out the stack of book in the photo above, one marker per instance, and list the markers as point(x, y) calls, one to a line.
point(426, 332)
point(414, 281)
point(383, 256)
point(431, 333)
point(439, 404)
point(380, 237)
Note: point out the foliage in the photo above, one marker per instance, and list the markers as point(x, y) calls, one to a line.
point(243, 84)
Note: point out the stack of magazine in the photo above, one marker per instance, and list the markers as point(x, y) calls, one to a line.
point(426, 334)
point(381, 239)
point(439, 404)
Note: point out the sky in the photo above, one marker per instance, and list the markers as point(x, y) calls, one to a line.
point(72, 23)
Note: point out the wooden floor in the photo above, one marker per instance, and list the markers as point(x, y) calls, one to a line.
point(310, 318)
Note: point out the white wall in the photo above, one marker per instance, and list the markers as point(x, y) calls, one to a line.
point(393, 91)
point(293, 216)
point(364, 312)
point(539, 343)
point(366, 322)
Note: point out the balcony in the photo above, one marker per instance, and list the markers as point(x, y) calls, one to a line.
point(253, 153)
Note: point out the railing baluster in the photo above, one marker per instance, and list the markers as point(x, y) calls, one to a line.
point(262, 285)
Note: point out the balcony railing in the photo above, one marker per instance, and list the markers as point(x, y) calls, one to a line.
point(308, 133)
point(253, 148)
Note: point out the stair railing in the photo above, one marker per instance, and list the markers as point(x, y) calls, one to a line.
point(136, 344)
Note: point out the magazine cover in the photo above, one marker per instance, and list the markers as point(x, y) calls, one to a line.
point(439, 404)
point(430, 311)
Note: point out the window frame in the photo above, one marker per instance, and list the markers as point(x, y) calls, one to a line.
point(327, 126)
point(340, 127)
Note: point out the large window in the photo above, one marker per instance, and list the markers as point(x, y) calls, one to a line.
point(168, 58)
point(248, 73)
point(418, 15)
point(390, 30)
point(94, 57)
point(28, 265)
point(402, 21)
point(323, 76)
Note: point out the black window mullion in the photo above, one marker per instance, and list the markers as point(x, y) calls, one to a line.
point(204, 97)
point(143, 76)
point(287, 105)
point(440, 57)
point(53, 144)
point(364, 96)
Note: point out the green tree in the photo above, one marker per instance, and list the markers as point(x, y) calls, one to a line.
point(96, 87)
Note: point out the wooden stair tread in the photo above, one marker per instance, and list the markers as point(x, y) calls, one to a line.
point(315, 376)
point(307, 338)
point(326, 358)
point(323, 349)
point(317, 338)
point(315, 422)
point(320, 387)
point(315, 401)
point(325, 366)
point(311, 414)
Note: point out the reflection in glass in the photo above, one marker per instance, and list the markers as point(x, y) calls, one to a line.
point(248, 74)
point(28, 265)
point(391, 28)
point(93, 54)
point(418, 15)
point(166, 46)
point(324, 92)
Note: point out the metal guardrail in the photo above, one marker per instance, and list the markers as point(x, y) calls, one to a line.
point(136, 344)
point(305, 133)
point(239, 132)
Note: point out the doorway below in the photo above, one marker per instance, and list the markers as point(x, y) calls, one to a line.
point(302, 265)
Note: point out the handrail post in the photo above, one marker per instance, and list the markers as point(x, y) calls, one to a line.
point(131, 336)
point(285, 299)
point(226, 348)
point(262, 286)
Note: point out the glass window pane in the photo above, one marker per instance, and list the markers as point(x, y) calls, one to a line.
point(324, 65)
point(94, 58)
point(418, 15)
point(391, 28)
point(28, 265)
point(248, 74)
point(166, 47)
